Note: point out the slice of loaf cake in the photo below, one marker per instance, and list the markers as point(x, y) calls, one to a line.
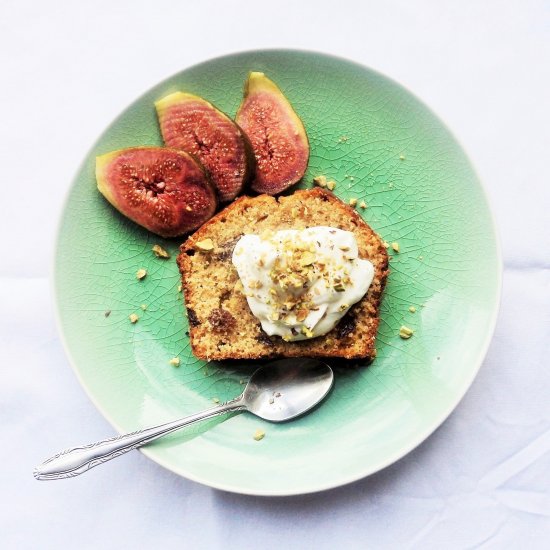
point(221, 324)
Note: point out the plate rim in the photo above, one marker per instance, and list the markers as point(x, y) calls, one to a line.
point(343, 480)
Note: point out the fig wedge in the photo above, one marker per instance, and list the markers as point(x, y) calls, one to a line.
point(166, 191)
point(192, 124)
point(276, 133)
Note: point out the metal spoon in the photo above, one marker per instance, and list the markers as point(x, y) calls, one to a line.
point(278, 391)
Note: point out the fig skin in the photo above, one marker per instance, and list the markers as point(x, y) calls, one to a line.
point(192, 124)
point(276, 134)
point(164, 190)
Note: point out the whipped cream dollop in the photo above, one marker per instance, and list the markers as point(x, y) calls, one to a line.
point(300, 283)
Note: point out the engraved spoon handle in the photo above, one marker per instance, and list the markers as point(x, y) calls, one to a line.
point(77, 460)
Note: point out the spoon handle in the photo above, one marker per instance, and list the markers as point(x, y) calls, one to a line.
point(77, 460)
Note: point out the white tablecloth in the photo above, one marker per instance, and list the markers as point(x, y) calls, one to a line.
point(483, 479)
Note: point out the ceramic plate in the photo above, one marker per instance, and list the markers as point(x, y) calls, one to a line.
point(381, 145)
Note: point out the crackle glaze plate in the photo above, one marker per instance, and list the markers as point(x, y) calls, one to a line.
point(381, 145)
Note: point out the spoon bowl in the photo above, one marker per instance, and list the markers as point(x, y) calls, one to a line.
point(285, 389)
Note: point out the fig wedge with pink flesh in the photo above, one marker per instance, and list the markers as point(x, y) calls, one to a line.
point(166, 191)
point(276, 133)
point(194, 125)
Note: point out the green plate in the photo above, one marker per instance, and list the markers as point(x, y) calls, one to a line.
point(380, 144)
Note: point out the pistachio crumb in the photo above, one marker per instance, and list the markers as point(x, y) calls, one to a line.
point(133, 318)
point(412, 309)
point(175, 361)
point(353, 201)
point(159, 252)
point(405, 332)
point(395, 247)
point(259, 434)
point(321, 181)
point(331, 185)
point(207, 245)
point(141, 274)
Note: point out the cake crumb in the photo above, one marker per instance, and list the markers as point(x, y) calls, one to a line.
point(133, 318)
point(259, 434)
point(331, 185)
point(321, 181)
point(401, 156)
point(395, 247)
point(216, 400)
point(405, 332)
point(175, 361)
point(143, 306)
point(159, 252)
point(412, 309)
point(353, 201)
point(141, 274)
point(362, 205)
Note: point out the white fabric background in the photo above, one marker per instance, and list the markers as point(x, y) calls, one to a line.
point(483, 479)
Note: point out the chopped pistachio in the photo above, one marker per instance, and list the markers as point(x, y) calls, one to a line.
point(255, 284)
point(301, 315)
point(207, 245)
point(141, 274)
point(307, 258)
point(395, 247)
point(133, 318)
point(321, 181)
point(412, 309)
point(159, 252)
point(405, 332)
point(343, 307)
point(331, 185)
point(353, 201)
point(362, 204)
point(175, 361)
point(307, 332)
point(143, 306)
point(259, 434)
